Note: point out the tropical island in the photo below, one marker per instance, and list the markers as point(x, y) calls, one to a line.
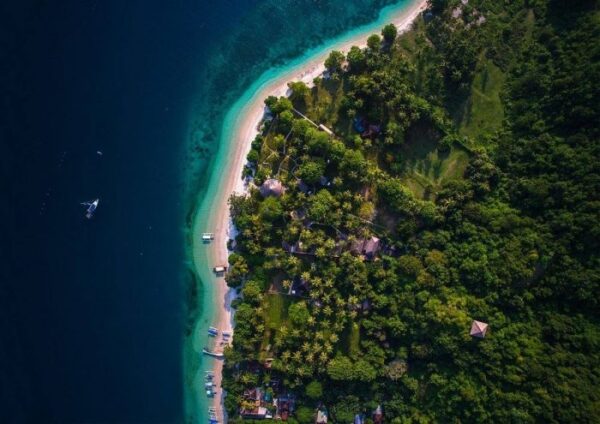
point(419, 240)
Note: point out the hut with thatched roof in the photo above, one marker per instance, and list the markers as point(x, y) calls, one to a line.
point(271, 187)
point(478, 329)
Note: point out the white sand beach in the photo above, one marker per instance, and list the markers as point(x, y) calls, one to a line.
point(230, 177)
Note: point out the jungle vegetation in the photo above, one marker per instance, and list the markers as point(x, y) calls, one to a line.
point(469, 147)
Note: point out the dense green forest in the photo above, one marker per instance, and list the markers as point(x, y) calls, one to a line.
point(460, 182)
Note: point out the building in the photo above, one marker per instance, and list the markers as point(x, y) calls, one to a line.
point(325, 129)
point(368, 248)
point(285, 406)
point(478, 329)
point(321, 417)
point(378, 415)
point(272, 187)
point(254, 406)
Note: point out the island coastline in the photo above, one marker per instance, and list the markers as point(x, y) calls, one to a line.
point(243, 128)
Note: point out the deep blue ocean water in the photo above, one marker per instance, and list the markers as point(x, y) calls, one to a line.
point(92, 312)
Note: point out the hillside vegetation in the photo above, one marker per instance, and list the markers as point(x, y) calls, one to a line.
point(461, 182)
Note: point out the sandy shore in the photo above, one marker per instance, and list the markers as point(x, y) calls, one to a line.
point(231, 182)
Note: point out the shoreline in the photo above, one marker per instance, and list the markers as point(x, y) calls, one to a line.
point(239, 129)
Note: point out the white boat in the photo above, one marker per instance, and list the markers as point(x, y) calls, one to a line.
point(220, 269)
point(91, 208)
point(207, 237)
point(213, 354)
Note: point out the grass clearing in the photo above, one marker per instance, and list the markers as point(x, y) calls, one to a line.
point(350, 340)
point(275, 310)
point(425, 168)
point(483, 111)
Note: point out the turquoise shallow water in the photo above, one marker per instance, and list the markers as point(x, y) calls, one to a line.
point(216, 167)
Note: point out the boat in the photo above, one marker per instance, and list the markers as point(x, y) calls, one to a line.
point(207, 237)
point(91, 207)
point(220, 269)
point(226, 334)
point(213, 354)
point(212, 331)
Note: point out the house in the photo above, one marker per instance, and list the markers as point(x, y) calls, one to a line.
point(325, 129)
point(371, 247)
point(359, 419)
point(300, 287)
point(372, 131)
point(272, 187)
point(298, 214)
point(284, 407)
point(478, 329)
point(258, 413)
point(321, 417)
point(368, 248)
point(359, 124)
point(254, 406)
point(303, 187)
point(293, 248)
point(378, 415)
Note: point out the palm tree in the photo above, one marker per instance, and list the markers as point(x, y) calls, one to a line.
point(305, 276)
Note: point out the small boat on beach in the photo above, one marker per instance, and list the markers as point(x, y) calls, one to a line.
point(207, 237)
point(212, 331)
point(220, 269)
point(213, 354)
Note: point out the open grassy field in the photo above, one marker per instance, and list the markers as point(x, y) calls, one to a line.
point(424, 168)
point(350, 341)
point(276, 306)
point(483, 112)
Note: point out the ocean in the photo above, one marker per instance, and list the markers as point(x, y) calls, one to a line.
point(122, 101)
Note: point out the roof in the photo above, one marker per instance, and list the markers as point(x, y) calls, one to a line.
point(371, 246)
point(325, 129)
point(478, 329)
point(259, 412)
point(368, 247)
point(272, 187)
point(321, 417)
point(378, 415)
